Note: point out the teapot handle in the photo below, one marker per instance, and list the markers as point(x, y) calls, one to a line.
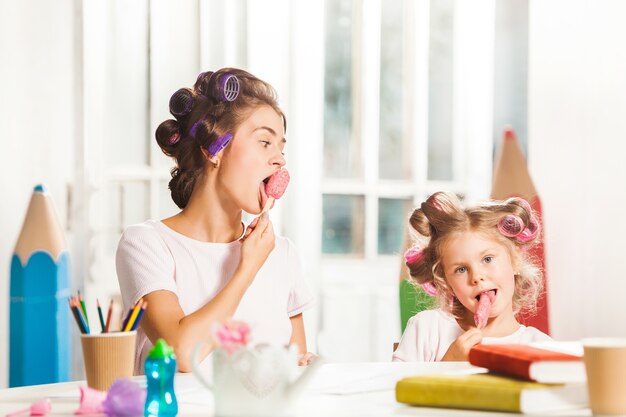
point(195, 363)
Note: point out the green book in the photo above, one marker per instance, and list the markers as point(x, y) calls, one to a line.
point(490, 392)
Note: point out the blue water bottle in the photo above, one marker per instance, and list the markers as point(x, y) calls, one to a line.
point(160, 367)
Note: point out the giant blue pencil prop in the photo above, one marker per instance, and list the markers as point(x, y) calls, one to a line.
point(39, 346)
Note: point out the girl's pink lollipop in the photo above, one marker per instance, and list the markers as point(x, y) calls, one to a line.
point(276, 187)
point(40, 408)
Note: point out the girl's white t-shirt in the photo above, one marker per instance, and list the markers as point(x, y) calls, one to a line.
point(151, 256)
point(429, 334)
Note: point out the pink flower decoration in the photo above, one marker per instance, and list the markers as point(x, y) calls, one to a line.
point(429, 288)
point(413, 255)
point(232, 335)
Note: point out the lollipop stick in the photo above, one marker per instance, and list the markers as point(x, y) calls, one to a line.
point(268, 205)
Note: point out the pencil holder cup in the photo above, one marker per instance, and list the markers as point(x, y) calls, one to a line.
point(107, 357)
point(605, 363)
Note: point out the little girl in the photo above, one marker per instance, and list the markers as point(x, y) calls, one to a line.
point(474, 261)
point(203, 265)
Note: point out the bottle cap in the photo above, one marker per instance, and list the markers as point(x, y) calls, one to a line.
point(161, 350)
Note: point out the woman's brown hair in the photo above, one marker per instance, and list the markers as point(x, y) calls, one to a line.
point(203, 114)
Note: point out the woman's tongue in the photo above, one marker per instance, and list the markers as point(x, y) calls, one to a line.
point(262, 194)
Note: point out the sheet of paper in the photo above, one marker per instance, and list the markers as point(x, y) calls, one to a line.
point(356, 378)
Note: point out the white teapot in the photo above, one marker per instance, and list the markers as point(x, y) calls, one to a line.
point(255, 382)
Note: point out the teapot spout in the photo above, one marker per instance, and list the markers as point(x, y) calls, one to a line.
point(297, 386)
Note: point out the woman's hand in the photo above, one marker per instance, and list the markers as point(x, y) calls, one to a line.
point(459, 349)
point(257, 243)
point(306, 358)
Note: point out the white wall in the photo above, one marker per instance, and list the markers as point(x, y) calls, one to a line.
point(36, 116)
point(577, 142)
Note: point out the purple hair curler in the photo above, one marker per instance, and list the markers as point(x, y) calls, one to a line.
point(194, 127)
point(181, 102)
point(229, 87)
point(219, 144)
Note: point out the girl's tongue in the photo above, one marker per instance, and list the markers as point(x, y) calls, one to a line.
point(481, 316)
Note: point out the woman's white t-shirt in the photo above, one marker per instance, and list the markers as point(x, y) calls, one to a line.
point(151, 256)
point(429, 334)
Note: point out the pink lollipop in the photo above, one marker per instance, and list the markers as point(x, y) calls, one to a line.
point(276, 187)
point(40, 408)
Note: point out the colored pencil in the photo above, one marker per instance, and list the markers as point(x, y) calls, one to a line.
point(141, 311)
point(82, 304)
point(83, 324)
point(75, 314)
point(102, 325)
point(133, 316)
point(106, 327)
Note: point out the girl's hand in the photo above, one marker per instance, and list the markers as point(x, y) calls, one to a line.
point(257, 243)
point(459, 349)
point(306, 358)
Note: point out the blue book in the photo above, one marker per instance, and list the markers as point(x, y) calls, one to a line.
point(39, 329)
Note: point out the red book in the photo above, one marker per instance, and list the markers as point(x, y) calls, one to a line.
point(529, 363)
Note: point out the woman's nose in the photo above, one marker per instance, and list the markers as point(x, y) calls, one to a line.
point(279, 160)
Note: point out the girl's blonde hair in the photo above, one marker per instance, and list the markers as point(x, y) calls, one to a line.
point(511, 223)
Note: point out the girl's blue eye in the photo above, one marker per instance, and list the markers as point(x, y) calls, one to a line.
point(488, 259)
point(461, 270)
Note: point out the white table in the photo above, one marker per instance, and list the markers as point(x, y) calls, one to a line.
point(342, 390)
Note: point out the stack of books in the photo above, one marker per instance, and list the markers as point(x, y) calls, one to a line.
point(521, 379)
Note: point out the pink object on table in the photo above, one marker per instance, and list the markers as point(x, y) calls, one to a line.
point(90, 401)
point(484, 308)
point(40, 408)
point(275, 187)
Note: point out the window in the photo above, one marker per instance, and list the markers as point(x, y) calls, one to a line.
point(386, 104)
point(399, 124)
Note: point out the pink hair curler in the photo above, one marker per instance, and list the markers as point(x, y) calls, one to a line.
point(511, 225)
point(429, 288)
point(413, 255)
point(174, 138)
point(39, 408)
point(530, 232)
point(524, 203)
